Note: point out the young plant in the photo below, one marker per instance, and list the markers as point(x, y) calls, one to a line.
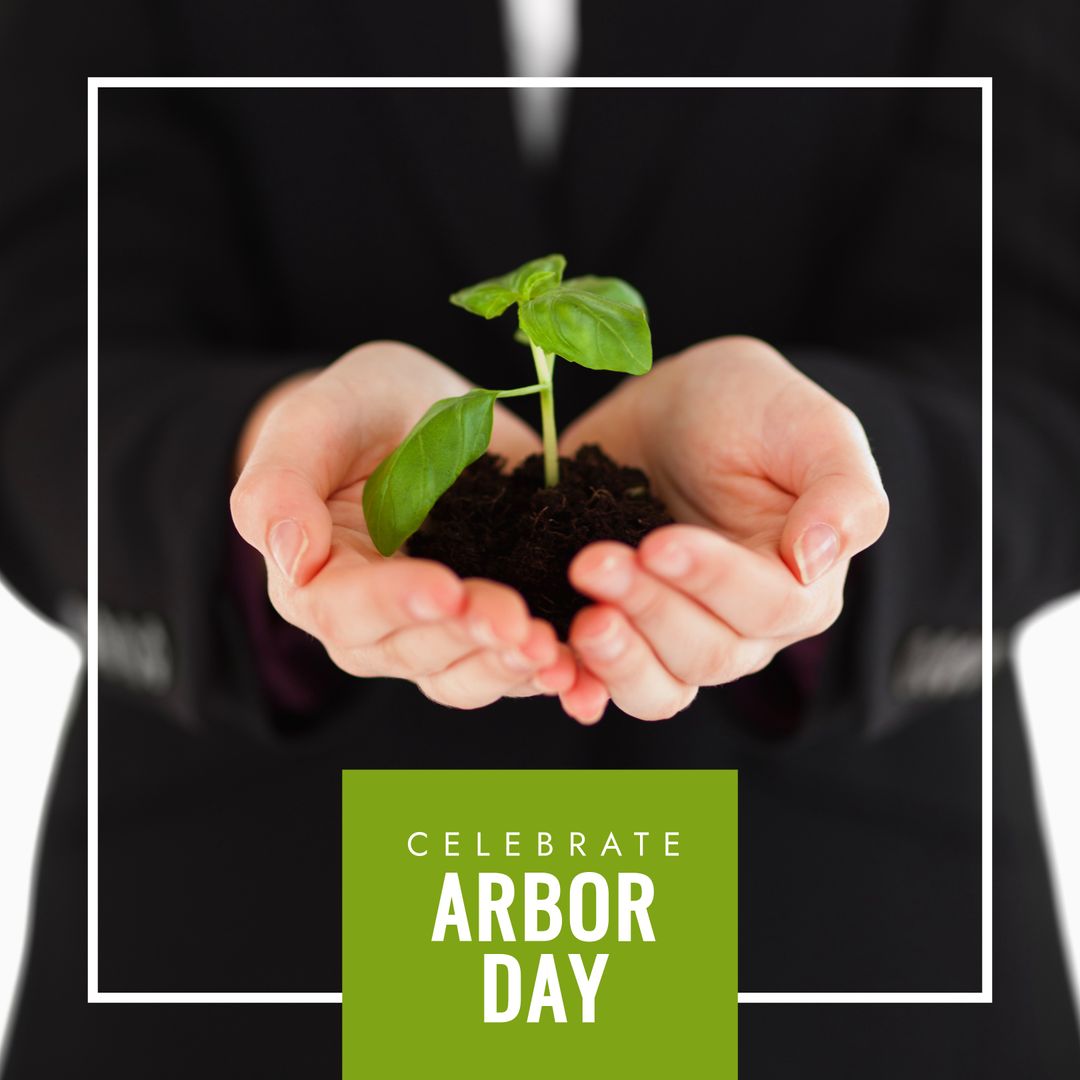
point(597, 322)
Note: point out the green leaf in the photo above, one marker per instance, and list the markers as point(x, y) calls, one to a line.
point(612, 287)
point(492, 297)
point(488, 299)
point(537, 276)
point(590, 329)
point(401, 491)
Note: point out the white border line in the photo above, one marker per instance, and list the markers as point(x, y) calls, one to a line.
point(92, 549)
point(987, 248)
point(985, 85)
point(500, 82)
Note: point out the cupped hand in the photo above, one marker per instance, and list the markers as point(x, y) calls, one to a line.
point(303, 458)
point(773, 487)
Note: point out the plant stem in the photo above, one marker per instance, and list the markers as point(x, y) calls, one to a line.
point(545, 372)
point(521, 391)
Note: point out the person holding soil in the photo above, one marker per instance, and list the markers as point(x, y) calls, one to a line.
point(262, 256)
point(770, 478)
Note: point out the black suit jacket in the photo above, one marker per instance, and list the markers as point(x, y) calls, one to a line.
point(246, 234)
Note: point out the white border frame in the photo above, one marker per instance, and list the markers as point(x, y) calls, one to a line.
point(985, 85)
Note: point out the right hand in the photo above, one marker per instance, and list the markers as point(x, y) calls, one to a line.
point(304, 455)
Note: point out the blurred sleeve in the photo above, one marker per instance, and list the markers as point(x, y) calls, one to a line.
point(187, 344)
point(907, 294)
point(1036, 259)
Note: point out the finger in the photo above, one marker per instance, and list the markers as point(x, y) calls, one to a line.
point(426, 649)
point(329, 432)
point(623, 661)
point(756, 595)
point(351, 603)
point(696, 646)
point(560, 676)
point(540, 650)
point(586, 698)
point(419, 649)
point(553, 679)
point(555, 665)
point(279, 501)
point(496, 616)
point(841, 507)
point(280, 512)
point(481, 678)
point(509, 648)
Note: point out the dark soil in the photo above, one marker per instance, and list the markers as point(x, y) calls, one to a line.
point(513, 529)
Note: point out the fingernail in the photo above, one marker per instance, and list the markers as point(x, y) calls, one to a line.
point(816, 551)
point(608, 644)
point(424, 607)
point(671, 560)
point(288, 541)
point(611, 576)
point(483, 633)
point(516, 660)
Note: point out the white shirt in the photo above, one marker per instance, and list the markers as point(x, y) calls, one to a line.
point(541, 39)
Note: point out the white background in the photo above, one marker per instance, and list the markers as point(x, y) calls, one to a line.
point(40, 665)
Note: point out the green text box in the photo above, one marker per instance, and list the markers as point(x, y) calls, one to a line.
point(414, 1007)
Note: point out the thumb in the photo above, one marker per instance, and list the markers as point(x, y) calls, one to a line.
point(836, 516)
point(277, 503)
point(278, 510)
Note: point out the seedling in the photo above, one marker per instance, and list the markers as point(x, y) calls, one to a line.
point(597, 322)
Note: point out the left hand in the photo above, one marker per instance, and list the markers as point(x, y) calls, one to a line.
point(773, 487)
point(303, 458)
